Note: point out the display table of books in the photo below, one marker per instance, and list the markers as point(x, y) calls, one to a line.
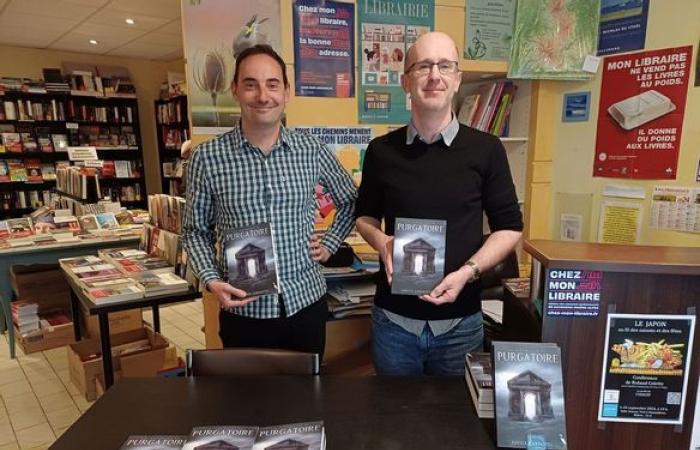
point(47, 254)
point(116, 280)
point(356, 413)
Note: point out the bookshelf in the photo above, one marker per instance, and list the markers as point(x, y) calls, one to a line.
point(37, 126)
point(172, 129)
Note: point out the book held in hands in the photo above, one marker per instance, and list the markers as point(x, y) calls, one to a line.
point(419, 255)
point(251, 260)
point(529, 394)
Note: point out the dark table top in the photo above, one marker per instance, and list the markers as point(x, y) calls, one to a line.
point(371, 413)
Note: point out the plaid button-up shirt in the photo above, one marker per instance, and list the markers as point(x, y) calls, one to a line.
point(231, 184)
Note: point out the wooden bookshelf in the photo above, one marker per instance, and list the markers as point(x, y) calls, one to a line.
point(172, 129)
point(109, 123)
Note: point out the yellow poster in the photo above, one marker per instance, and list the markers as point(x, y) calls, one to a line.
point(619, 222)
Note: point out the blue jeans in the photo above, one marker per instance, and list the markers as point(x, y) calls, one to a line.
point(395, 351)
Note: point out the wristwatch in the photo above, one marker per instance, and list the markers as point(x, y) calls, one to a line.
point(476, 272)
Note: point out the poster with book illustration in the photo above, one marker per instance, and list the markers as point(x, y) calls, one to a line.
point(641, 114)
point(251, 260)
point(386, 31)
point(645, 368)
point(529, 392)
point(419, 255)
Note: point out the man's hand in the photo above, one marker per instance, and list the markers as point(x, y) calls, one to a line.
point(450, 286)
point(386, 252)
point(227, 295)
point(319, 253)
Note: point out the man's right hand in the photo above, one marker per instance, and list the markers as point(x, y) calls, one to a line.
point(229, 296)
point(386, 252)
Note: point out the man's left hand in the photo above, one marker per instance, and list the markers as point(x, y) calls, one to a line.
point(319, 253)
point(450, 287)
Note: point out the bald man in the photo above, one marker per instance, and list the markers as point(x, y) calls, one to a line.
point(435, 168)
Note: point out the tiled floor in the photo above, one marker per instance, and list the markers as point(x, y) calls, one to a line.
point(37, 400)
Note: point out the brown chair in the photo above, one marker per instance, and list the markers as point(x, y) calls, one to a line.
point(251, 361)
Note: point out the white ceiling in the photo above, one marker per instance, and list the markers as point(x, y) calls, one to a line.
point(71, 24)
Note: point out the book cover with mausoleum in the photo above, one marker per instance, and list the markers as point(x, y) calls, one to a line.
point(154, 442)
point(251, 260)
point(419, 255)
point(529, 395)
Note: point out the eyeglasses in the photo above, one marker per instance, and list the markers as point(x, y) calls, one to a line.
point(423, 68)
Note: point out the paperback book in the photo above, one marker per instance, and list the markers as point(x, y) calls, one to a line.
point(307, 436)
point(419, 255)
point(223, 437)
point(529, 395)
point(158, 442)
point(251, 260)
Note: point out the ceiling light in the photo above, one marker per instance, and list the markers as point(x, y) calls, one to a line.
point(130, 21)
point(93, 42)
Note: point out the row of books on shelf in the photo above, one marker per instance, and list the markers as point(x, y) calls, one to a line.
point(123, 274)
point(134, 193)
point(171, 112)
point(28, 319)
point(172, 168)
point(64, 110)
point(290, 436)
point(174, 186)
point(173, 138)
point(520, 384)
point(78, 82)
point(24, 199)
point(43, 140)
point(169, 246)
point(167, 212)
point(84, 182)
point(34, 171)
point(489, 108)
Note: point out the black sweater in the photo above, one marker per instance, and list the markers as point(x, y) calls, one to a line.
point(434, 181)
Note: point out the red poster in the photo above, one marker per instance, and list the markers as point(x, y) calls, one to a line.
point(640, 117)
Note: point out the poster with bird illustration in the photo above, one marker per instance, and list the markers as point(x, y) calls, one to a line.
point(215, 31)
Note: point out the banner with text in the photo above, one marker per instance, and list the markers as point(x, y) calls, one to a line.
point(387, 29)
point(640, 118)
point(324, 45)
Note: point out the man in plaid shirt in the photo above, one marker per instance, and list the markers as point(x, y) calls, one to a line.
point(262, 172)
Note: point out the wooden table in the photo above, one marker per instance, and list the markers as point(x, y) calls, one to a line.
point(372, 413)
point(45, 254)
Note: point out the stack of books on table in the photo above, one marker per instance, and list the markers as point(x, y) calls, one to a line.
point(25, 316)
point(292, 436)
point(479, 376)
point(351, 298)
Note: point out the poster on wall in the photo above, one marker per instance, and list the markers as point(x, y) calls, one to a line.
point(619, 222)
point(623, 26)
point(386, 31)
point(645, 368)
point(488, 29)
point(324, 48)
point(215, 31)
point(349, 145)
point(640, 118)
point(553, 38)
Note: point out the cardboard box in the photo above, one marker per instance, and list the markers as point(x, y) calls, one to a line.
point(39, 282)
point(52, 337)
point(119, 322)
point(83, 371)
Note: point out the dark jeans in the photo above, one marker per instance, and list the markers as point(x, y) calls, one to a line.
point(396, 351)
point(305, 331)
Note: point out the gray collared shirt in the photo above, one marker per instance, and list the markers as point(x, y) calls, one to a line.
point(416, 326)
